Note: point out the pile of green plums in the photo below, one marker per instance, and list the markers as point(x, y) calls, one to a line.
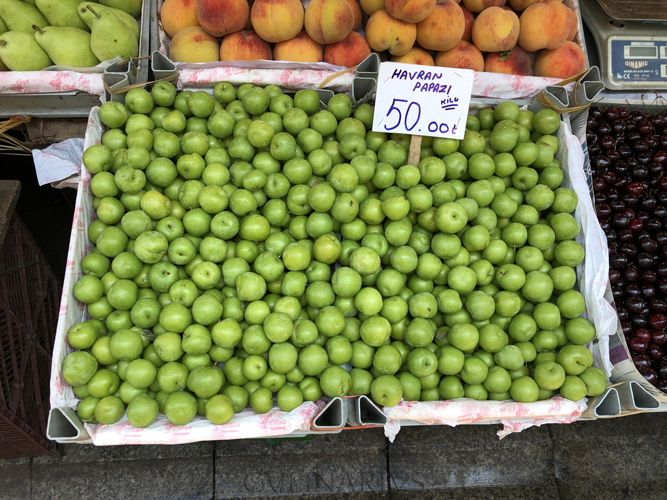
point(251, 246)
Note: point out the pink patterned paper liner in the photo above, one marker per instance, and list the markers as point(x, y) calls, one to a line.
point(293, 79)
point(36, 82)
point(72, 311)
point(514, 416)
point(488, 85)
point(501, 86)
point(244, 425)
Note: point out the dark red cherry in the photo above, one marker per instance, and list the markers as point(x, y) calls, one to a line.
point(611, 114)
point(637, 345)
point(655, 352)
point(635, 225)
point(657, 321)
point(648, 290)
point(639, 321)
point(660, 157)
point(658, 305)
point(635, 188)
point(651, 377)
point(603, 210)
point(635, 304)
point(659, 337)
point(642, 363)
point(626, 235)
point(643, 335)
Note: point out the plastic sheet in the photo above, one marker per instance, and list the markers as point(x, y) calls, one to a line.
point(59, 161)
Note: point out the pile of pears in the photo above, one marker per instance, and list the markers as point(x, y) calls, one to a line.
point(35, 34)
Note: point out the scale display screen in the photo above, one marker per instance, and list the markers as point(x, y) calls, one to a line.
point(641, 52)
point(638, 60)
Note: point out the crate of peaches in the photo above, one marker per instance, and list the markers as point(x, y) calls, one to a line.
point(519, 37)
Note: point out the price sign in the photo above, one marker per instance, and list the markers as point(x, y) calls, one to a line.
point(422, 100)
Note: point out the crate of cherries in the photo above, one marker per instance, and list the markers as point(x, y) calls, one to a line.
point(628, 151)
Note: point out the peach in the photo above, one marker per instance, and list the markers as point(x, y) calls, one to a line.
point(384, 32)
point(443, 28)
point(520, 5)
point(469, 18)
point(248, 25)
point(329, 21)
point(193, 45)
point(176, 15)
point(415, 55)
point(371, 6)
point(480, 5)
point(219, 17)
point(244, 46)
point(574, 24)
point(358, 16)
point(563, 62)
point(348, 52)
point(301, 48)
point(464, 55)
point(516, 62)
point(410, 11)
point(495, 30)
point(544, 26)
point(277, 20)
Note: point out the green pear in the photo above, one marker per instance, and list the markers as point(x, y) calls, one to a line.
point(67, 46)
point(88, 16)
point(19, 16)
point(62, 13)
point(111, 37)
point(21, 52)
point(31, 2)
point(132, 7)
point(3, 29)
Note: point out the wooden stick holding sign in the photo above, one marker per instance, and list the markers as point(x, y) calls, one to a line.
point(415, 150)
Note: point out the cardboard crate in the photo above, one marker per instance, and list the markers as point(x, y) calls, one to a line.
point(352, 412)
point(66, 93)
point(635, 393)
point(64, 425)
point(310, 75)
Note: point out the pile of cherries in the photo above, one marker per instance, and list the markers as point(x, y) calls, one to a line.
point(628, 152)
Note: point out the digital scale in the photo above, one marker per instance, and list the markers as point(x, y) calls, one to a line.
point(631, 38)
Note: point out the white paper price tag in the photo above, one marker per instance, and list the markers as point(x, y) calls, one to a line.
point(422, 100)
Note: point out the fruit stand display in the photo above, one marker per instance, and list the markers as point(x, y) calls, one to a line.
point(58, 58)
point(253, 249)
point(239, 33)
point(626, 145)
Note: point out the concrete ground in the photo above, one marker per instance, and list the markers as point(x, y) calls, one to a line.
point(607, 459)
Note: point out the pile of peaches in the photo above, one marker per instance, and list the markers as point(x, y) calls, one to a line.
point(522, 38)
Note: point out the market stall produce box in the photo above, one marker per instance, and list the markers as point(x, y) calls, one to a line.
point(357, 310)
point(53, 67)
point(625, 152)
point(210, 46)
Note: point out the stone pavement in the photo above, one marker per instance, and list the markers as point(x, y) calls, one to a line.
point(607, 459)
